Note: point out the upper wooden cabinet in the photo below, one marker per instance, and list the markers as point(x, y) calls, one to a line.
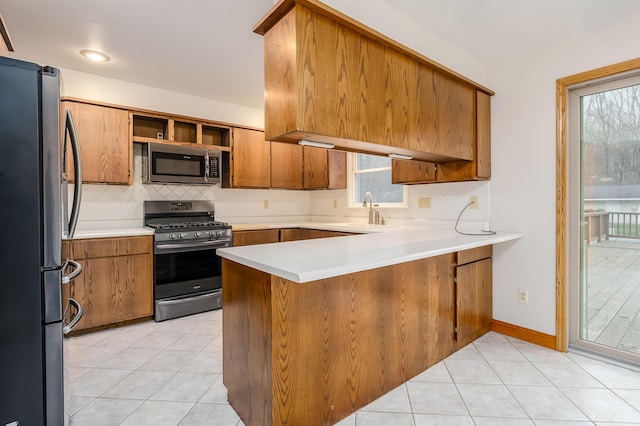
point(330, 79)
point(416, 172)
point(103, 133)
point(297, 167)
point(324, 168)
point(148, 126)
point(286, 166)
point(250, 164)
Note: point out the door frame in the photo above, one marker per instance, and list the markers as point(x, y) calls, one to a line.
point(562, 192)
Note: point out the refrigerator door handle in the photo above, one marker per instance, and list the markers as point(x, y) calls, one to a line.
point(68, 327)
point(77, 269)
point(70, 129)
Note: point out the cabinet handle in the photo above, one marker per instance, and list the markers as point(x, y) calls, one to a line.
point(79, 312)
point(77, 269)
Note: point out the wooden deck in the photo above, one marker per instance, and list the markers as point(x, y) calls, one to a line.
point(612, 295)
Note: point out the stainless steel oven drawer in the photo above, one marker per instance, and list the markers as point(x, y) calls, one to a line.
point(180, 306)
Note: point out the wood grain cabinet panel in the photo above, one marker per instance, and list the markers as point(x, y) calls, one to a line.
point(297, 167)
point(251, 159)
point(416, 172)
point(116, 283)
point(296, 234)
point(330, 79)
point(473, 279)
point(311, 354)
point(286, 166)
point(260, 236)
point(103, 133)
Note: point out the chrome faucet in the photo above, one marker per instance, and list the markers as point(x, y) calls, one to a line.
point(371, 209)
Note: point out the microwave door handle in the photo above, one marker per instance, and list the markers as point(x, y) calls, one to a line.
point(66, 329)
point(77, 167)
point(206, 167)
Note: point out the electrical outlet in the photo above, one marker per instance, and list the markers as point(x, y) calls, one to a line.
point(424, 203)
point(335, 204)
point(523, 296)
point(265, 204)
point(473, 199)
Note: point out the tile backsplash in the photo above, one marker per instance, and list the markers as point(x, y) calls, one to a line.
point(121, 206)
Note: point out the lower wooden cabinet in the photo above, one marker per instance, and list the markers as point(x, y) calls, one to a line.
point(396, 320)
point(473, 285)
point(260, 236)
point(296, 234)
point(265, 236)
point(116, 283)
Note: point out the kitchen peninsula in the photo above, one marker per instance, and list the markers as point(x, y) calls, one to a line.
point(314, 330)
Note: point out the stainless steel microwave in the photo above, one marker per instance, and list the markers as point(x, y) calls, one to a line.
point(163, 163)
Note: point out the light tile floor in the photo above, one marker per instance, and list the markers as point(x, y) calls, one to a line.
point(170, 373)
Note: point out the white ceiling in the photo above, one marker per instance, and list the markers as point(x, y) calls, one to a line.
point(206, 47)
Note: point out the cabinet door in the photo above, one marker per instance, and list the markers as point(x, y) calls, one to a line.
point(454, 117)
point(296, 234)
point(251, 159)
point(116, 283)
point(480, 167)
point(262, 236)
point(286, 166)
point(324, 169)
point(114, 289)
point(337, 169)
point(474, 300)
point(103, 133)
point(411, 172)
point(315, 167)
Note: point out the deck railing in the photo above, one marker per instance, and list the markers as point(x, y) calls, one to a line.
point(603, 225)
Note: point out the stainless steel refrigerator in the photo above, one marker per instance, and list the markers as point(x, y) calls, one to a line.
point(33, 218)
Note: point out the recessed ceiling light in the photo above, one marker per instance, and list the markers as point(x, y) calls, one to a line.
point(94, 55)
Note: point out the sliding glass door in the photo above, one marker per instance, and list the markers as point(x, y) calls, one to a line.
point(604, 132)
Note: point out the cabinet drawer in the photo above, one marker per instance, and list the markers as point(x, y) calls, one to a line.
point(263, 236)
point(472, 255)
point(109, 247)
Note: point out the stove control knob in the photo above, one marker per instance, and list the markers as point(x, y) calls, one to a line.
point(211, 233)
point(220, 233)
point(182, 235)
point(197, 234)
point(172, 237)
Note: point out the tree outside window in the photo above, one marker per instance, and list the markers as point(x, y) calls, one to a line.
point(372, 173)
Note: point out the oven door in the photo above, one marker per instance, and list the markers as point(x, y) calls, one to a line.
point(187, 268)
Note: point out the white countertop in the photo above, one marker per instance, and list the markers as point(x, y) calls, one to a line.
point(111, 233)
point(359, 228)
point(309, 260)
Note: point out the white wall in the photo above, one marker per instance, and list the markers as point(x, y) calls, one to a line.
point(523, 161)
point(97, 88)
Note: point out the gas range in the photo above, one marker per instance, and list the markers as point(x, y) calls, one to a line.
point(184, 220)
point(187, 270)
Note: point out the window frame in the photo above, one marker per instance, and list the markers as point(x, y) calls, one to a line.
point(352, 171)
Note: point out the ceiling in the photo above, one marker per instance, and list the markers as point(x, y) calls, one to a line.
point(206, 47)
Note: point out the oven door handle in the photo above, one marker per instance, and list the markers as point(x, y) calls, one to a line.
point(175, 247)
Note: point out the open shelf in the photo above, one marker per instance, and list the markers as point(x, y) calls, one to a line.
point(150, 127)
